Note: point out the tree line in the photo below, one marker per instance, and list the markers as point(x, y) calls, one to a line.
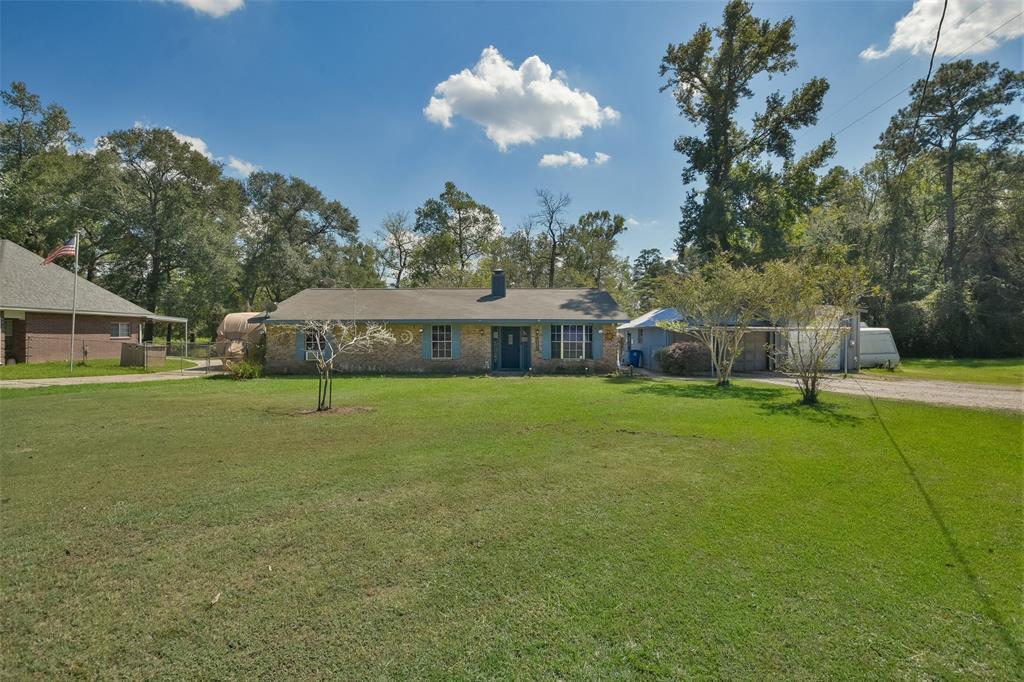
point(163, 225)
point(935, 219)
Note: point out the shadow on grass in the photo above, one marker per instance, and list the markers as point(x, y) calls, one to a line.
point(771, 400)
point(1003, 629)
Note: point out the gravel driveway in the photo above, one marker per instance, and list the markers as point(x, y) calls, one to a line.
point(936, 392)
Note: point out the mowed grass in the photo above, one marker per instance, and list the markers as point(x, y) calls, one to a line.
point(93, 368)
point(544, 528)
point(1001, 371)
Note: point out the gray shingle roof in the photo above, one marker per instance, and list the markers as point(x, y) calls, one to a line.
point(651, 319)
point(27, 284)
point(464, 305)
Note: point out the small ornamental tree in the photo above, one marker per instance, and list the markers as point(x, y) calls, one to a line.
point(332, 339)
point(718, 304)
point(814, 307)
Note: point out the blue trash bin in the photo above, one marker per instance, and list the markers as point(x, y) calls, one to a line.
point(636, 358)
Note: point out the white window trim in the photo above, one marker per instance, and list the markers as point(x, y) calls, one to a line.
point(435, 345)
point(118, 335)
point(561, 343)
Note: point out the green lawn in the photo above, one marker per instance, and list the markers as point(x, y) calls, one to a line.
point(94, 368)
point(538, 528)
point(1005, 371)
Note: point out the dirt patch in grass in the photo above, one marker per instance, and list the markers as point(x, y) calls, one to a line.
point(345, 409)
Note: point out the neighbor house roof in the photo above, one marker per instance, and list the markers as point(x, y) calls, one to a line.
point(27, 284)
point(651, 319)
point(460, 305)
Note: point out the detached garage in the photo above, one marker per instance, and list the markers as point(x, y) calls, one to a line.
point(643, 335)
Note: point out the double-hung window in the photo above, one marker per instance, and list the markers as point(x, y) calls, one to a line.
point(441, 341)
point(121, 330)
point(572, 341)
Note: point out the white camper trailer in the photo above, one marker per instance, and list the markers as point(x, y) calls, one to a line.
point(877, 348)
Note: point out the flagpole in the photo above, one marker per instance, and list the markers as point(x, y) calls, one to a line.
point(74, 305)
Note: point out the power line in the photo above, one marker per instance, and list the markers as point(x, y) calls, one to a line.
point(931, 62)
point(890, 72)
point(958, 54)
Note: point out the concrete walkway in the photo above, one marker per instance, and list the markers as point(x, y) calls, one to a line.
point(187, 373)
point(934, 392)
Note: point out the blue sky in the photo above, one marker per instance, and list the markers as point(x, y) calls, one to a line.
point(334, 92)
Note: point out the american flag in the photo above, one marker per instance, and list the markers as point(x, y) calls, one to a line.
point(65, 249)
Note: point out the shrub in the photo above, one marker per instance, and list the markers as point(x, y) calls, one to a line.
point(682, 357)
point(244, 369)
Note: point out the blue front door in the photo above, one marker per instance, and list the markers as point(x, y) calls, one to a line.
point(510, 348)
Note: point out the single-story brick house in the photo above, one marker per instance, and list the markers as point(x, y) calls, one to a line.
point(35, 312)
point(457, 330)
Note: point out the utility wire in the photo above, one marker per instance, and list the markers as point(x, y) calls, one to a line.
point(889, 73)
point(876, 108)
point(931, 63)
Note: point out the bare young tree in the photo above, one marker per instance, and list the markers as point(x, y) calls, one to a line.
point(331, 339)
point(718, 305)
point(395, 243)
point(551, 217)
point(814, 307)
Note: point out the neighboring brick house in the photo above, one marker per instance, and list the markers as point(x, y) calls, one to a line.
point(457, 330)
point(35, 312)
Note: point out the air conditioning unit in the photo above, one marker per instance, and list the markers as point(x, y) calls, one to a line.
point(311, 356)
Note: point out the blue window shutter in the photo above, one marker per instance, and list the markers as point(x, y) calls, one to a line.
point(545, 341)
point(597, 340)
point(426, 341)
point(456, 333)
point(300, 346)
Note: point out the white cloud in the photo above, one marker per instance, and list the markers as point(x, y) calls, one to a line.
point(243, 168)
point(967, 22)
point(631, 221)
point(196, 143)
point(214, 8)
point(564, 159)
point(516, 105)
point(573, 159)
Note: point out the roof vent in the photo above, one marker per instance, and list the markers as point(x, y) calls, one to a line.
point(498, 283)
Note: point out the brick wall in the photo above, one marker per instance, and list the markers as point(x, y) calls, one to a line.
point(607, 362)
point(406, 355)
point(47, 336)
point(17, 341)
